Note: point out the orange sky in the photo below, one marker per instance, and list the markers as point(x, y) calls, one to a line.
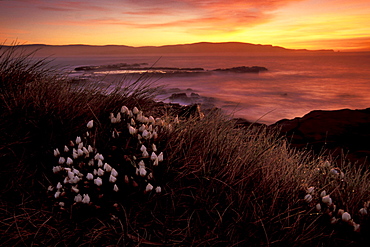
point(311, 24)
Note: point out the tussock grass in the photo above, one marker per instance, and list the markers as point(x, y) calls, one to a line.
point(222, 184)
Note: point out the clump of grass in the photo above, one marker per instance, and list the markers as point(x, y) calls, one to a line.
point(131, 165)
point(40, 106)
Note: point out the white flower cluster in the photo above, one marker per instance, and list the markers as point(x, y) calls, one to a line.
point(324, 204)
point(86, 176)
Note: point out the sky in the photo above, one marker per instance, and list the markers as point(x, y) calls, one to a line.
point(297, 24)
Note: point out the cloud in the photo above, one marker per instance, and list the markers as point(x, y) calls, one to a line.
point(190, 16)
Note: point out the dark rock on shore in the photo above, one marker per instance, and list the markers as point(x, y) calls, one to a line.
point(243, 69)
point(337, 131)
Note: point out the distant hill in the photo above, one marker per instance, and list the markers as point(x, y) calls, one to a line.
point(196, 48)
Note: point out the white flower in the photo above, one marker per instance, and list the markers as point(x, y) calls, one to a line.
point(154, 135)
point(346, 217)
point(69, 161)
point(57, 169)
point(98, 181)
point(124, 109)
point(100, 172)
point(356, 227)
point(80, 145)
point(78, 198)
point(101, 157)
point(142, 148)
point(56, 152)
point(112, 179)
point(74, 189)
point(115, 188)
point(75, 180)
point(100, 163)
point(327, 200)
point(139, 116)
point(151, 120)
point(323, 193)
point(74, 153)
point(59, 186)
point(135, 110)
point(80, 152)
point(132, 130)
point(145, 134)
point(142, 128)
point(85, 151)
point(66, 149)
point(132, 122)
point(107, 167)
point(75, 171)
point(318, 207)
point(154, 147)
point(141, 164)
point(86, 199)
point(71, 175)
point(95, 172)
point(89, 176)
point(142, 171)
point(310, 190)
point(156, 162)
point(50, 188)
point(158, 189)
point(57, 194)
point(333, 220)
point(149, 187)
point(118, 118)
point(114, 172)
point(96, 157)
point(145, 154)
point(308, 198)
point(160, 157)
point(78, 140)
point(61, 204)
point(363, 211)
point(90, 124)
point(153, 156)
point(61, 161)
point(90, 149)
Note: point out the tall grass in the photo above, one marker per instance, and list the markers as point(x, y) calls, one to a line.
point(222, 184)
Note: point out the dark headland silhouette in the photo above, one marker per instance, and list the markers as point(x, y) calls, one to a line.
point(195, 48)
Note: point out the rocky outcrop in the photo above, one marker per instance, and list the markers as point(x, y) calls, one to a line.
point(345, 130)
point(243, 69)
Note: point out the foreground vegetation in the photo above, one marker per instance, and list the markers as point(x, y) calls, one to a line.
point(210, 182)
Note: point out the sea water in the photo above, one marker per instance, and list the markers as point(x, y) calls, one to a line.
point(294, 84)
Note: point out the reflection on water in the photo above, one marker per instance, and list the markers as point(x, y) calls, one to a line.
point(293, 86)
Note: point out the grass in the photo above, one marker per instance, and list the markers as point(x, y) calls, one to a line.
point(222, 184)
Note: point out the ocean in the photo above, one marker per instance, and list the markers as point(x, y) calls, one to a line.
point(294, 84)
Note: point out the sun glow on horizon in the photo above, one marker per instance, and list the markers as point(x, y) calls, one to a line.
point(303, 24)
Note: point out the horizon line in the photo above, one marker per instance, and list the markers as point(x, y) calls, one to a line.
point(183, 44)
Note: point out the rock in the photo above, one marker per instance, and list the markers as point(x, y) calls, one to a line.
point(179, 97)
point(243, 69)
point(340, 130)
